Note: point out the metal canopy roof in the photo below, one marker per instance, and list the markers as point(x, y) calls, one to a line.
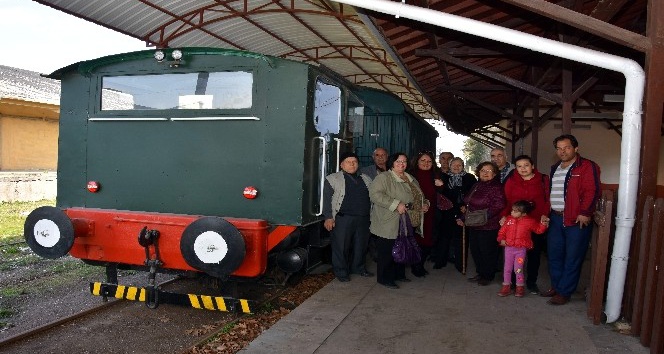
point(469, 82)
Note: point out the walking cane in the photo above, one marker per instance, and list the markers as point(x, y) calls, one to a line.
point(463, 250)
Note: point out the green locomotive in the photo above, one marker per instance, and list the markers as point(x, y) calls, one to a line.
point(202, 160)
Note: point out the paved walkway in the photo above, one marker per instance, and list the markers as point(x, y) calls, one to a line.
point(442, 313)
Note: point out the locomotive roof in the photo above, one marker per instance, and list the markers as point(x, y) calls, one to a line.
point(86, 67)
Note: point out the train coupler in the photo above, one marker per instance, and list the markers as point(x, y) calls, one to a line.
point(148, 238)
point(203, 302)
point(152, 297)
point(152, 289)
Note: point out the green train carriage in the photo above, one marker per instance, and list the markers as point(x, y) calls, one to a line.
point(389, 123)
point(195, 160)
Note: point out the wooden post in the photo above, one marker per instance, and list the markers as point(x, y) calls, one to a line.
point(657, 335)
point(644, 229)
point(651, 135)
point(567, 101)
point(650, 291)
point(654, 101)
point(599, 256)
point(534, 139)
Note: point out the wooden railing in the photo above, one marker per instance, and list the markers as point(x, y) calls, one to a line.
point(647, 292)
point(643, 300)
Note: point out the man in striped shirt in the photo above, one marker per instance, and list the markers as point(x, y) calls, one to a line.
point(575, 189)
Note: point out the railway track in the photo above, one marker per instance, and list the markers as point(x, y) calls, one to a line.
point(41, 329)
point(129, 327)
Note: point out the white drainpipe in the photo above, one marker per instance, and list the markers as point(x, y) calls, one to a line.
point(631, 140)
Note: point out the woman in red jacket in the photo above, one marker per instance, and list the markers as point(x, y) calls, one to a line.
point(527, 183)
point(514, 235)
point(429, 180)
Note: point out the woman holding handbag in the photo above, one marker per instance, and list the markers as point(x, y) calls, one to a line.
point(393, 193)
point(484, 205)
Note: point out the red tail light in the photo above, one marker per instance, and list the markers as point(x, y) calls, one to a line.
point(93, 186)
point(250, 192)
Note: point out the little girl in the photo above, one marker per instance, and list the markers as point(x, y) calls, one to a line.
point(514, 235)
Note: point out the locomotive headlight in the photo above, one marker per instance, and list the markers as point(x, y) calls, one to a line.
point(177, 54)
point(159, 55)
point(93, 186)
point(250, 192)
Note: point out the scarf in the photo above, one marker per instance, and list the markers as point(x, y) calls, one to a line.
point(416, 212)
point(456, 179)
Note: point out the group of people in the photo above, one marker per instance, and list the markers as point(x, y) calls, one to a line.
point(515, 203)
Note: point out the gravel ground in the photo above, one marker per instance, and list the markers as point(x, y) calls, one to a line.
point(36, 291)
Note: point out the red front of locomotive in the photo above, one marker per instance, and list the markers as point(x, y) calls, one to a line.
point(217, 246)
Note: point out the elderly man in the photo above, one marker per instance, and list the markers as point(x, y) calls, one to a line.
point(346, 209)
point(379, 158)
point(444, 159)
point(575, 189)
point(500, 159)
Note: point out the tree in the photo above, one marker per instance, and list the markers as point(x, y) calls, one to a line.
point(475, 153)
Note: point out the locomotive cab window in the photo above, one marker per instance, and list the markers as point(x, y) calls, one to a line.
point(327, 111)
point(186, 91)
point(355, 122)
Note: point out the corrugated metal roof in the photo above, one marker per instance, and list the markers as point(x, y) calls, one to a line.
point(438, 72)
point(28, 85)
point(312, 31)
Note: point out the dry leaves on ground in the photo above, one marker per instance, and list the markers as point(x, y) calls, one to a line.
point(235, 337)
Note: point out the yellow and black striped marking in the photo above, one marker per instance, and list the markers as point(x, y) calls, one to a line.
point(118, 291)
point(218, 303)
point(205, 302)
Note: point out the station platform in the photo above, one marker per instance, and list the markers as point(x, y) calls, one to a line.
point(442, 313)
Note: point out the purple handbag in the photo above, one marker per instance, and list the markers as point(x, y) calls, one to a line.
point(443, 203)
point(405, 248)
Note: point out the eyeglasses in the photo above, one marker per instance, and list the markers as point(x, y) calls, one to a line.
point(486, 171)
point(400, 161)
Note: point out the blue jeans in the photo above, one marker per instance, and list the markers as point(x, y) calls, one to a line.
point(567, 246)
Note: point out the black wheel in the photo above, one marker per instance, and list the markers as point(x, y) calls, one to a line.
point(49, 232)
point(213, 245)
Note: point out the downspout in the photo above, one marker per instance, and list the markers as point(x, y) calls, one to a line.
point(631, 141)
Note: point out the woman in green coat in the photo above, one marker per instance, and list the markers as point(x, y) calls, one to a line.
point(393, 192)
